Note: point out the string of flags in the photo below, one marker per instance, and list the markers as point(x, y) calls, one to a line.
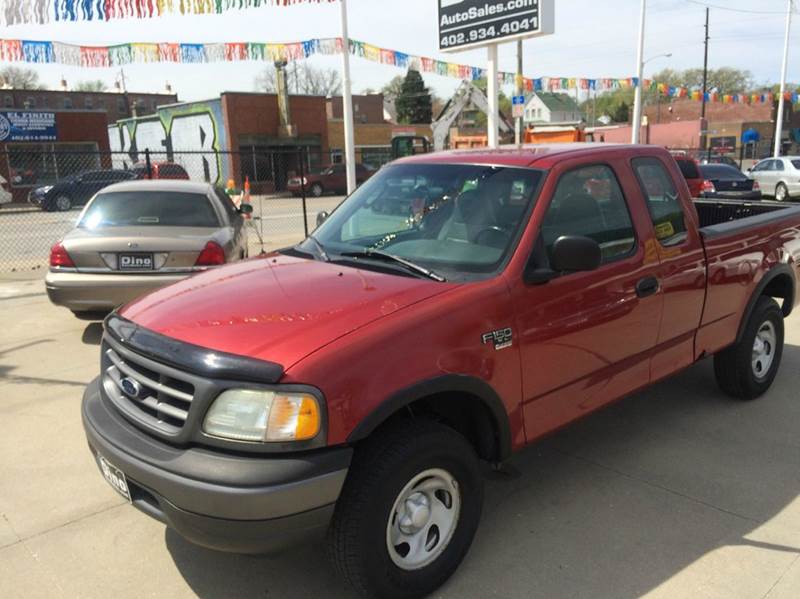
point(17, 12)
point(47, 52)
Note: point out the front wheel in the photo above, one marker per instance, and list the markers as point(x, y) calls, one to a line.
point(63, 203)
point(317, 190)
point(408, 511)
point(782, 193)
point(746, 369)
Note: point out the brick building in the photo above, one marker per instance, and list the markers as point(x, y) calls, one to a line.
point(367, 109)
point(41, 147)
point(727, 122)
point(235, 136)
point(115, 104)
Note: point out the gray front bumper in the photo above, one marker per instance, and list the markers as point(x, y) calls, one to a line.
point(245, 504)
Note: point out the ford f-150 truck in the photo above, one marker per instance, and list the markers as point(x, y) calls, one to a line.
point(456, 308)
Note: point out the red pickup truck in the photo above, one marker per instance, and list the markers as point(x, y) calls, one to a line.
point(456, 308)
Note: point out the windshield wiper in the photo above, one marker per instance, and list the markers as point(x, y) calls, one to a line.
point(320, 249)
point(376, 255)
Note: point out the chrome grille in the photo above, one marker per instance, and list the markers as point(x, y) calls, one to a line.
point(153, 394)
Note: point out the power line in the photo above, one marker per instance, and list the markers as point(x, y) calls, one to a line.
point(744, 10)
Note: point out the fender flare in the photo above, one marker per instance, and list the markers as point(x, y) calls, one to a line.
point(448, 383)
point(771, 275)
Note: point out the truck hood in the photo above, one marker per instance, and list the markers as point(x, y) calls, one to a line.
point(276, 308)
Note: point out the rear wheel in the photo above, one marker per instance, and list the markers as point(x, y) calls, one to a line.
point(746, 369)
point(317, 190)
point(63, 203)
point(782, 193)
point(408, 511)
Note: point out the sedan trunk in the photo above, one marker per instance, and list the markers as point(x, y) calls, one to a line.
point(137, 249)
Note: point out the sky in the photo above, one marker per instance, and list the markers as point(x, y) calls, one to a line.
point(592, 39)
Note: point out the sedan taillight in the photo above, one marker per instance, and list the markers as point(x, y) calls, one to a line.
point(756, 186)
point(708, 187)
point(211, 255)
point(59, 256)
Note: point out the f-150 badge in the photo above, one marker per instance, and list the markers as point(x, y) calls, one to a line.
point(501, 338)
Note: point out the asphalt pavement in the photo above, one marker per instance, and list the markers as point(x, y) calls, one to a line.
point(26, 235)
point(676, 492)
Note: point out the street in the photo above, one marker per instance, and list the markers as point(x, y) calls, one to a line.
point(677, 491)
point(26, 236)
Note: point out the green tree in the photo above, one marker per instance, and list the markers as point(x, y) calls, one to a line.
point(96, 85)
point(616, 104)
point(414, 104)
point(17, 78)
point(392, 89)
point(725, 80)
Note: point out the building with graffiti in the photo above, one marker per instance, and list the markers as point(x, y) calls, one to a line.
point(236, 136)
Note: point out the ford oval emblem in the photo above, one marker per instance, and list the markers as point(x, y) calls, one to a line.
point(130, 387)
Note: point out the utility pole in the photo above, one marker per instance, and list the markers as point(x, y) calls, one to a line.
point(705, 70)
point(520, 91)
point(347, 105)
point(636, 126)
point(492, 122)
point(781, 101)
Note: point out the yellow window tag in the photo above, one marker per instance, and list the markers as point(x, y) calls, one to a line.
point(664, 230)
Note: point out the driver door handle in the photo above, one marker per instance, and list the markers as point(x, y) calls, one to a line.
point(647, 286)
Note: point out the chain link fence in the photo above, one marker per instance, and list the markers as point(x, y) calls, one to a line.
point(44, 189)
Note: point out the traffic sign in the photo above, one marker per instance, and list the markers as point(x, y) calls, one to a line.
point(517, 106)
point(470, 23)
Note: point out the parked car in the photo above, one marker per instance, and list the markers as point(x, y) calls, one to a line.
point(161, 170)
point(720, 159)
point(690, 169)
point(76, 190)
point(352, 383)
point(137, 236)
point(728, 182)
point(332, 179)
point(5, 191)
point(779, 177)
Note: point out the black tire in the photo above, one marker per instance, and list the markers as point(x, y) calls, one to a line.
point(382, 467)
point(62, 203)
point(782, 193)
point(317, 190)
point(734, 368)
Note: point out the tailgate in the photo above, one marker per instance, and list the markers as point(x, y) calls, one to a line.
point(137, 249)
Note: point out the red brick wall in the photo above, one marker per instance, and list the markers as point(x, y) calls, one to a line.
point(680, 134)
point(366, 109)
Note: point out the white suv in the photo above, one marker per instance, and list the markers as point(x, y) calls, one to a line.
point(778, 177)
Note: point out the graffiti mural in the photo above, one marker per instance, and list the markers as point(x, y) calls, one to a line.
point(191, 135)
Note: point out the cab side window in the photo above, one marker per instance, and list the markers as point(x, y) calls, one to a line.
point(663, 201)
point(588, 202)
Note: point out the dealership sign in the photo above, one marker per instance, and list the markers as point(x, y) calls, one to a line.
point(470, 23)
point(27, 126)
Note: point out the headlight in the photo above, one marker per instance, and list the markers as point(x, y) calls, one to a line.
point(45, 189)
point(263, 416)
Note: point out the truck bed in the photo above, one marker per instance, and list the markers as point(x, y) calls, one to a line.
point(724, 216)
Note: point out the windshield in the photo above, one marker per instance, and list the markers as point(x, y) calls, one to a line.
point(149, 208)
point(458, 220)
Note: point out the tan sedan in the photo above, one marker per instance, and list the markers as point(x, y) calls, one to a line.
point(135, 237)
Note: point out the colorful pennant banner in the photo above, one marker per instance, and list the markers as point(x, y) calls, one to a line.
point(43, 52)
point(18, 12)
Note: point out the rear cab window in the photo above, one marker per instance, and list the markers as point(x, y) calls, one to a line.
point(588, 201)
point(663, 200)
point(150, 208)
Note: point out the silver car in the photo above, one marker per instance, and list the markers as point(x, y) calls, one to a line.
point(778, 177)
point(134, 237)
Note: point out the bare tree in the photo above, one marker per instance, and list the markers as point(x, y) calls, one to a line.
point(17, 78)
point(96, 85)
point(302, 79)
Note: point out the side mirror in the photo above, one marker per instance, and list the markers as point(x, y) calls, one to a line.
point(322, 217)
point(246, 209)
point(571, 253)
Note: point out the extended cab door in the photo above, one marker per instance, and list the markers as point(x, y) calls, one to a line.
point(585, 337)
point(681, 273)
